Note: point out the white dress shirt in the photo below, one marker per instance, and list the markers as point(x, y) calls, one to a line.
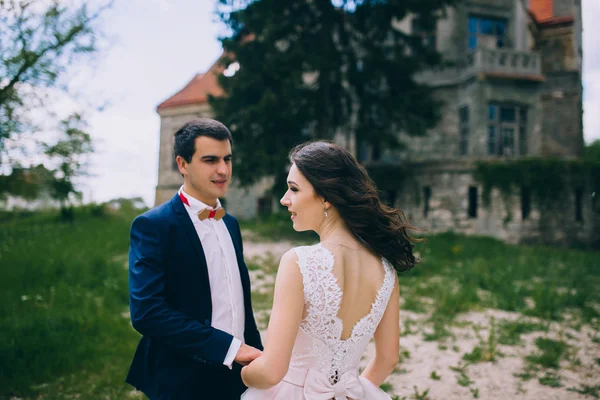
point(223, 274)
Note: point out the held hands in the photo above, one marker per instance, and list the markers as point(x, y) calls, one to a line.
point(246, 354)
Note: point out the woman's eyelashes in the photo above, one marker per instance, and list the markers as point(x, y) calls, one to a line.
point(293, 189)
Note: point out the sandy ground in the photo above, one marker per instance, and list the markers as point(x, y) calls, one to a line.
point(483, 380)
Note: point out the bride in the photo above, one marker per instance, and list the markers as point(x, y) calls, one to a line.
point(331, 298)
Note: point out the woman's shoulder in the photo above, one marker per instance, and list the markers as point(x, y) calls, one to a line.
point(310, 250)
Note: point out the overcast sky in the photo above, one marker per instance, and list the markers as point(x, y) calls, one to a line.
point(159, 45)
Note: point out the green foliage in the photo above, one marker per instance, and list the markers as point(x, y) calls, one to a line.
point(587, 390)
point(510, 332)
point(27, 183)
point(592, 151)
point(277, 226)
point(486, 350)
point(317, 69)
point(39, 40)
point(456, 271)
point(550, 352)
point(386, 387)
point(424, 395)
point(462, 378)
point(551, 380)
point(63, 290)
point(69, 153)
point(545, 178)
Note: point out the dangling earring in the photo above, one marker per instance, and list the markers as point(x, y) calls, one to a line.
point(325, 213)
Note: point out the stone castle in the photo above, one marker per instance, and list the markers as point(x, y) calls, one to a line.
point(514, 91)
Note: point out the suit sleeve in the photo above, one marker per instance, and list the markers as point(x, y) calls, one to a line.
point(150, 313)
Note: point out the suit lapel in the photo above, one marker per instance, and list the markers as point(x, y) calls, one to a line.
point(188, 228)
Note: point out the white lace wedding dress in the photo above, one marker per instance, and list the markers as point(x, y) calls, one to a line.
point(323, 366)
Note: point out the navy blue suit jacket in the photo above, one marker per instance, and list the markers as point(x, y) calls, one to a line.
point(180, 355)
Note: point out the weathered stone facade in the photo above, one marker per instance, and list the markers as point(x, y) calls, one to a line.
point(444, 196)
point(529, 69)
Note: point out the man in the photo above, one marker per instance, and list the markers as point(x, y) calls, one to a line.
point(189, 286)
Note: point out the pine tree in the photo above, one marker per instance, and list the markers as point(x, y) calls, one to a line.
point(321, 68)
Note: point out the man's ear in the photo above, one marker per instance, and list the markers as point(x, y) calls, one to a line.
point(181, 164)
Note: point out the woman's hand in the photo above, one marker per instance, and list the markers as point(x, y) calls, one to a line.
point(244, 372)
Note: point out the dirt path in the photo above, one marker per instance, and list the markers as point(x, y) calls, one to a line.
point(435, 369)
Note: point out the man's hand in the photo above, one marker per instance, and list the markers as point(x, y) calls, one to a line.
point(246, 354)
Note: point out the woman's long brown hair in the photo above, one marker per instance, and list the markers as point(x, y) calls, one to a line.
point(342, 181)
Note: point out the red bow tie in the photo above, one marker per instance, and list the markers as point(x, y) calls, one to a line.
point(208, 213)
point(216, 214)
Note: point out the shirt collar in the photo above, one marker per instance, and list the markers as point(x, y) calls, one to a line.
point(195, 204)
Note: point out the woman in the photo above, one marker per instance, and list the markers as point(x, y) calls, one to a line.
point(332, 298)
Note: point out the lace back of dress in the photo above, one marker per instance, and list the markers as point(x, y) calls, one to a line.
point(323, 297)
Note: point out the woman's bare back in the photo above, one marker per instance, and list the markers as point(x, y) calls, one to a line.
point(359, 274)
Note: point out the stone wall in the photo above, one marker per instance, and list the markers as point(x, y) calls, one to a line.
point(558, 46)
point(562, 124)
point(562, 93)
point(448, 208)
point(563, 7)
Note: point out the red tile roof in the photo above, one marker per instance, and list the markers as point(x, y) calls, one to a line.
point(541, 9)
point(197, 90)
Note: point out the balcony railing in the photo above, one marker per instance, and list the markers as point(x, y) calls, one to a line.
point(499, 62)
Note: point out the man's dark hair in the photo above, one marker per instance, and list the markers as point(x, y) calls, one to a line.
point(185, 137)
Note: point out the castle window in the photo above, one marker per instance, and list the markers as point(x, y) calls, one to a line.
point(427, 196)
point(579, 205)
point(487, 32)
point(427, 32)
point(472, 202)
point(464, 131)
point(507, 130)
point(525, 202)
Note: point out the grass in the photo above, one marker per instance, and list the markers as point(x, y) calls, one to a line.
point(591, 391)
point(462, 378)
point(468, 274)
point(424, 395)
point(511, 331)
point(551, 380)
point(277, 227)
point(487, 349)
point(386, 387)
point(550, 352)
point(63, 289)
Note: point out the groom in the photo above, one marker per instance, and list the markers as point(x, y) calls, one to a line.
point(188, 283)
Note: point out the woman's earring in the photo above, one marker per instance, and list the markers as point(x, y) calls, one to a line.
point(325, 213)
